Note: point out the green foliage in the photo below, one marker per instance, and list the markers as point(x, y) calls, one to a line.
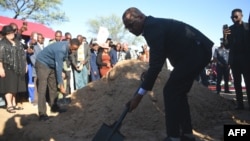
point(42, 11)
point(116, 29)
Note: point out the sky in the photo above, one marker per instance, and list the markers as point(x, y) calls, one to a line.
point(208, 16)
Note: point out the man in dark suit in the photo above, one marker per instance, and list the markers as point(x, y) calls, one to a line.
point(188, 51)
point(237, 40)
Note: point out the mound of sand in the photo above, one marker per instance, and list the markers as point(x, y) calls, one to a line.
point(103, 101)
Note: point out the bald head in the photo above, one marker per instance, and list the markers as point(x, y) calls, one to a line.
point(132, 13)
point(133, 20)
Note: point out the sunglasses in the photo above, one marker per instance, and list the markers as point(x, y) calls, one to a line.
point(235, 17)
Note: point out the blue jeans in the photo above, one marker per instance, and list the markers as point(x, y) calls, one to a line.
point(81, 77)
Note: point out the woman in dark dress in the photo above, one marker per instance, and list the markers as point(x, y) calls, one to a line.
point(12, 68)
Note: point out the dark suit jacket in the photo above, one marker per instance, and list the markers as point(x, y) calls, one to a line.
point(113, 56)
point(37, 49)
point(93, 62)
point(74, 56)
point(239, 43)
point(170, 39)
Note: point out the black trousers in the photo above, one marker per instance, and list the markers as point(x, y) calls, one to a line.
point(239, 68)
point(222, 71)
point(203, 78)
point(68, 77)
point(45, 77)
point(175, 92)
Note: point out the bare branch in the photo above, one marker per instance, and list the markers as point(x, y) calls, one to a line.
point(43, 11)
point(31, 11)
point(24, 2)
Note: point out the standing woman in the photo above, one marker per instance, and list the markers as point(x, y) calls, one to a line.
point(104, 59)
point(12, 68)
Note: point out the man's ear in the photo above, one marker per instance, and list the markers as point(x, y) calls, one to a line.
point(141, 17)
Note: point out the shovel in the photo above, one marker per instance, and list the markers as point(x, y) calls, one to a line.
point(112, 133)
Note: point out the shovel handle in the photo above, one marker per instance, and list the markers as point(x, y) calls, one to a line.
point(121, 118)
point(118, 123)
point(124, 113)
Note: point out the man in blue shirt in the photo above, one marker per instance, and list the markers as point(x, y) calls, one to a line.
point(49, 66)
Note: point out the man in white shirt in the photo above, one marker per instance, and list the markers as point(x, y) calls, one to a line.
point(80, 62)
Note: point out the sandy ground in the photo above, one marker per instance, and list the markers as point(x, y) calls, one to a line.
point(103, 102)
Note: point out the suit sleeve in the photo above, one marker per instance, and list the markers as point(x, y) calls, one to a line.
point(157, 58)
point(215, 53)
point(33, 56)
point(112, 56)
point(93, 63)
point(73, 59)
point(227, 42)
point(88, 53)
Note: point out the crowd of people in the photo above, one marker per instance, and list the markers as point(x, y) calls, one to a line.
point(23, 65)
point(67, 64)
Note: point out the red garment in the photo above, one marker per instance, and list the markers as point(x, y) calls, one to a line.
point(105, 59)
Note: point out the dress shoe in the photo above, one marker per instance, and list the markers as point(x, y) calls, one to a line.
point(43, 117)
point(171, 139)
point(57, 109)
point(186, 138)
point(239, 107)
point(183, 138)
point(64, 101)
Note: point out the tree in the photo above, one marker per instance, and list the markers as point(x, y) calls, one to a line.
point(116, 29)
point(42, 11)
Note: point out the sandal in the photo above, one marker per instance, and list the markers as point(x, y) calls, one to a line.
point(11, 109)
point(17, 108)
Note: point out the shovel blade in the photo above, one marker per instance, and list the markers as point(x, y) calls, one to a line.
point(105, 134)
